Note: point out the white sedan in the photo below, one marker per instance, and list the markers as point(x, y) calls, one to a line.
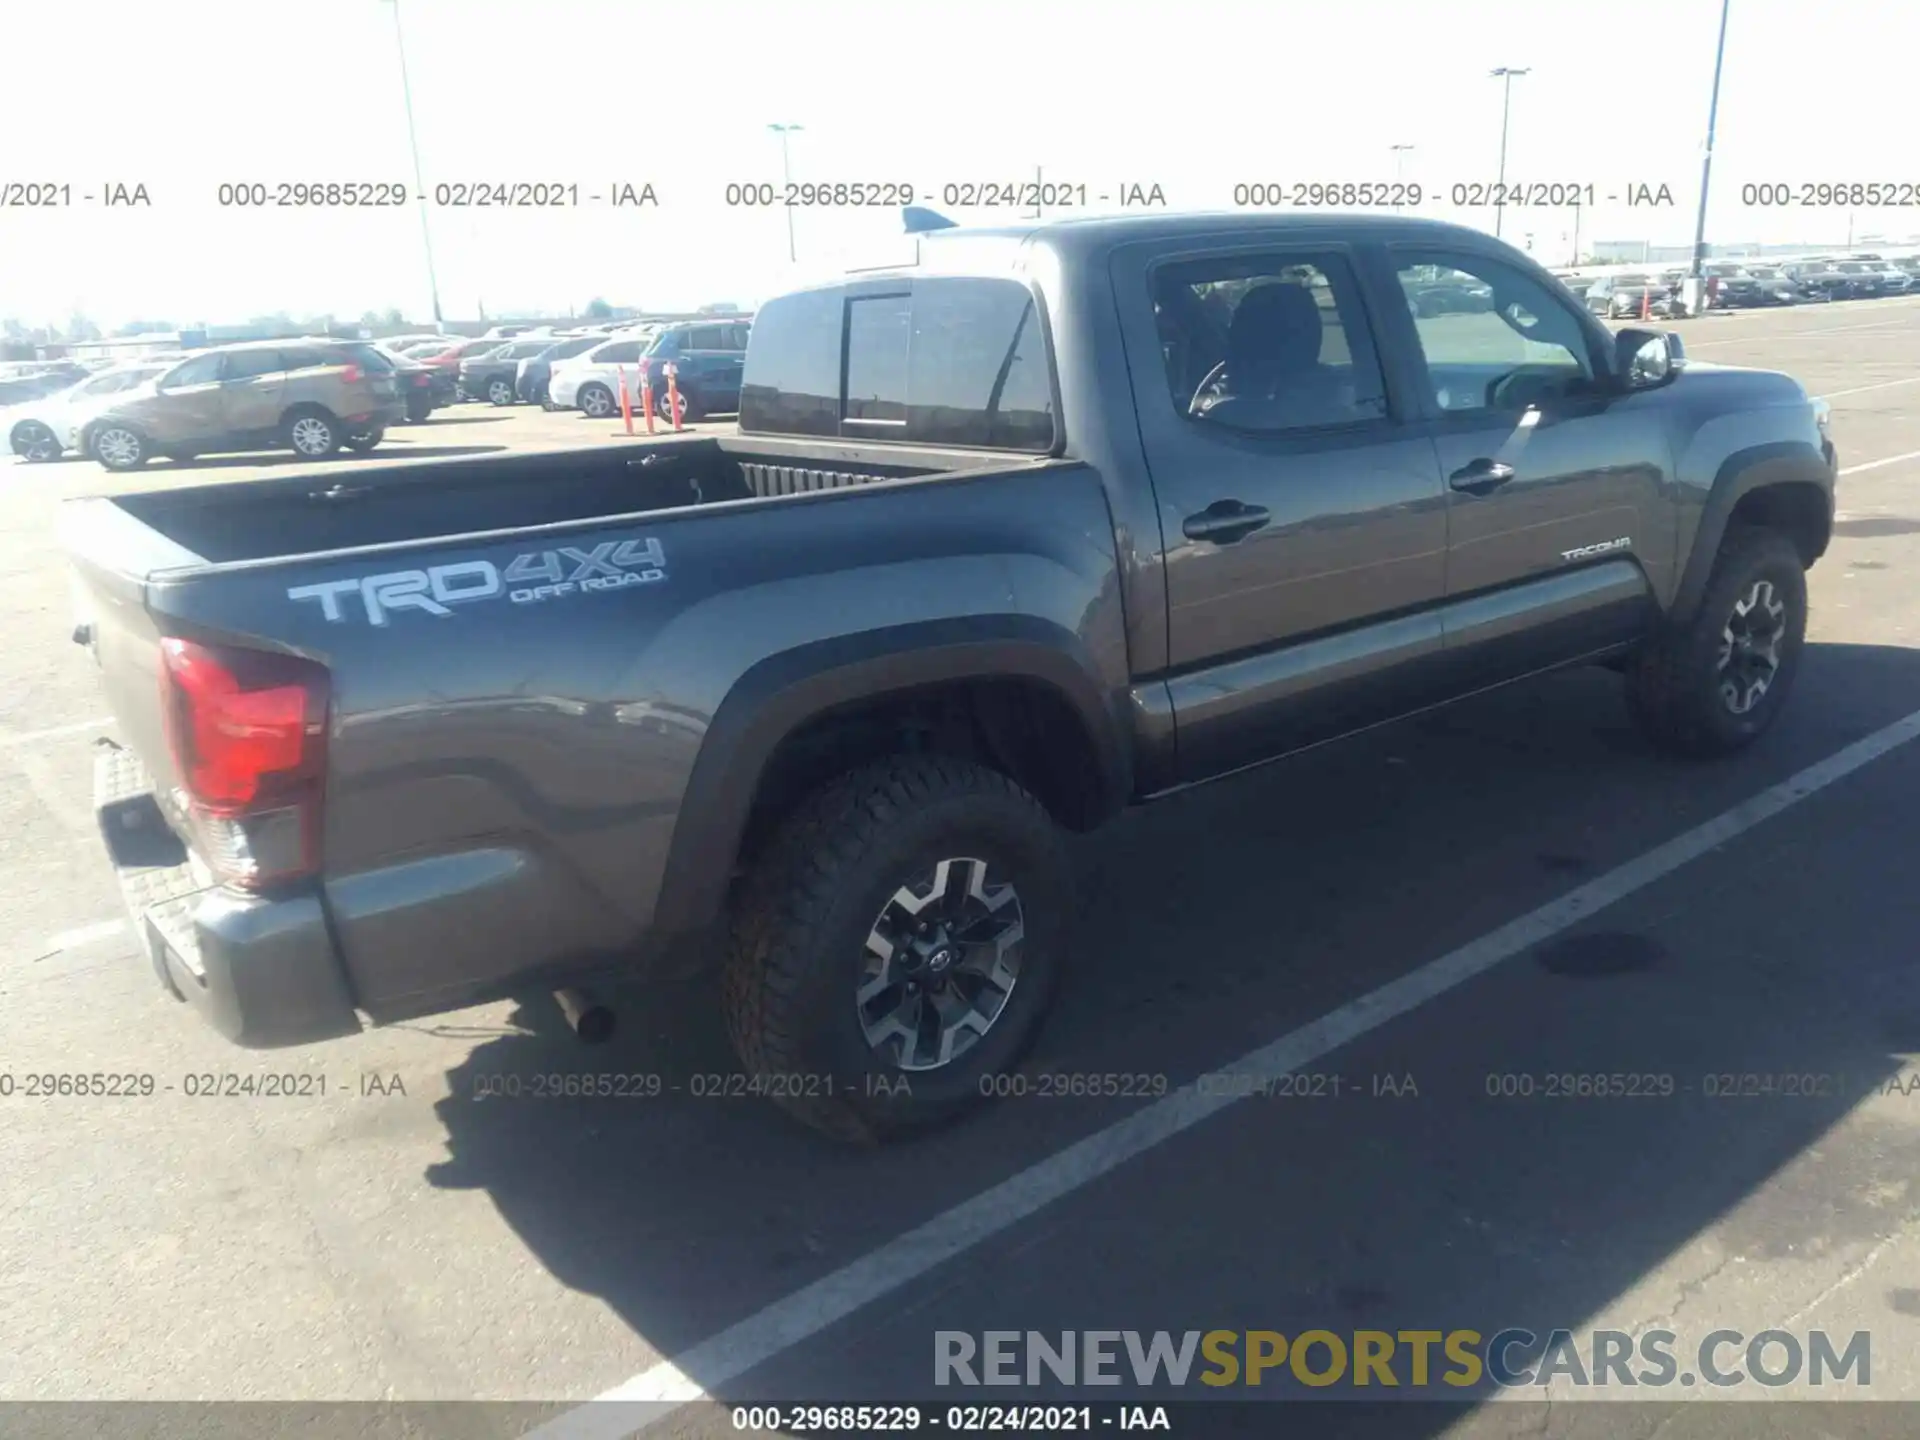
point(590, 382)
point(44, 429)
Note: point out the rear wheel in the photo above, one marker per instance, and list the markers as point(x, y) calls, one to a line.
point(595, 401)
point(312, 434)
point(1716, 683)
point(35, 442)
point(120, 447)
point(361, 441)
point(894, 949)
point(500, 392)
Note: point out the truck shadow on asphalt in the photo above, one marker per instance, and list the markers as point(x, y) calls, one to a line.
point(1220, 919)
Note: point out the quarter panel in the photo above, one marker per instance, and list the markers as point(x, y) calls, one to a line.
point(550, 744)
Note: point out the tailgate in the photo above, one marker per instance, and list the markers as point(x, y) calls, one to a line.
point(112, 554)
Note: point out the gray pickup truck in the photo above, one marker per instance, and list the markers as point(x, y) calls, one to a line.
point(1053, 520)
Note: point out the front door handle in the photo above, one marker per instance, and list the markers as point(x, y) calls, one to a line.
point(1481, 477)
point(1225, 521)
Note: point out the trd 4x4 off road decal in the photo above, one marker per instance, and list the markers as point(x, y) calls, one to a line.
point(528, 579)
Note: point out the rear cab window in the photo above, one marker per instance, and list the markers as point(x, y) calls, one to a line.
point(955, 361)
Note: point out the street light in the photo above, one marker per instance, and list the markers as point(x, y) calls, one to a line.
point(1399, 156)
point(1504, 74)
point(1706, 161)
point(419, 182)
point(786, 174)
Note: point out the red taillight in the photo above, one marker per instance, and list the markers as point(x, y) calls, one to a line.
point(248, 734)
point(350, 373)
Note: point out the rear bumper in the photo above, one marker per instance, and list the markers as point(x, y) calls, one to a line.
point(263, 972)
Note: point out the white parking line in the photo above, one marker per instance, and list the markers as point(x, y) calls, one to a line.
point(1798, 334)
point(653, 1394)
point(1876, 464)
point(85, 935)
point(1862, 389)
point(33, 737)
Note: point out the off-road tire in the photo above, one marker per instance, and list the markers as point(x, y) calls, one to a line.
point(800, 921)
point(1673, 686)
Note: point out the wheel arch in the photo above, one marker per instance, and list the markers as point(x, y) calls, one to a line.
point(1785, 485)
point(755, 757)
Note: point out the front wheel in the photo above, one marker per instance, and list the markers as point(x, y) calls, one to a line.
point(361, 441)
point(500, 392)
point(894, 950)
point(119, 447)
point(1714, 684)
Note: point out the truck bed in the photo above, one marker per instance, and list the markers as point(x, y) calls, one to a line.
point(350, 508)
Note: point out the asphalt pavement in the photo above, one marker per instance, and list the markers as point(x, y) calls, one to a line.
point(1430, 925)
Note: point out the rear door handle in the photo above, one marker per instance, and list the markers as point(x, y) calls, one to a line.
point(1481, 477)
point(1225, 521)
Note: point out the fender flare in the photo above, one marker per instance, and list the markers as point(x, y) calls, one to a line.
point(784, 691)
point(1784, 462)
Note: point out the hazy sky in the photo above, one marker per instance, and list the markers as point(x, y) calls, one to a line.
point(182, 95)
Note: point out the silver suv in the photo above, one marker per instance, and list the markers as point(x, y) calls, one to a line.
point(310, 396)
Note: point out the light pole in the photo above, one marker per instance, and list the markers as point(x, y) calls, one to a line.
point(419, 182)
point(1399, 164)
point(1706, 161)
point(1504, 74)
point(786, 175)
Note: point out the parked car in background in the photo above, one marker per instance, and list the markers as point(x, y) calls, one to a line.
point(35, 379)
point(45, 429)
point(1737, 288)
point(449, 359)
point(507, 332)
point(1617, 297)
point(1893, 279)
point(423, 387)
point(706, 359)
point(1776, 286)
point(530, 375)
point(1818, 280)
point(1869, 282)
point(490, 376)
point(1457, 295)
point(590, 383)
point(311, 396)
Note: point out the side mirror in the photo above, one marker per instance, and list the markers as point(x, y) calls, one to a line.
point(1644, 359)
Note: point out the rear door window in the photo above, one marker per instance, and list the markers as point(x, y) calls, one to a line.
point(945, 360)
point(621, 352)
point(251, 364)
point(878, 329)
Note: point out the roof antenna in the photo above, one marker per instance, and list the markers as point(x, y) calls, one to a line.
point(919, 219)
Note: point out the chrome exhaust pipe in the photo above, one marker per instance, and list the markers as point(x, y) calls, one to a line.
point(591, 1020)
